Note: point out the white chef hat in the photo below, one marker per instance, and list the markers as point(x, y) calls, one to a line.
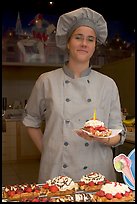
point(68, 22)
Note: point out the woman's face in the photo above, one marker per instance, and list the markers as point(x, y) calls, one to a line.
point(81, 44)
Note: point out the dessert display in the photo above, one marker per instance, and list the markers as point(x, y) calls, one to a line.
point(92, 182)
point(93, 187)
point(60, 185)
point(122, 164)
point(114, 192)
point(17, 192)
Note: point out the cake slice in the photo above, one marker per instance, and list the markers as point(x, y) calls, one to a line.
point(19, 191)
point(97, 128)
point(92, 182)
point(60, 185)
point(114, 192)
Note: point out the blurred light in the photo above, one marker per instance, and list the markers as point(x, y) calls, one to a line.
point(51, 3)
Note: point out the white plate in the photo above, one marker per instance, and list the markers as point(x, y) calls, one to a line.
point(115, 132)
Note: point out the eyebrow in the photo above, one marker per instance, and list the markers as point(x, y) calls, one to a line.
point(83, 35)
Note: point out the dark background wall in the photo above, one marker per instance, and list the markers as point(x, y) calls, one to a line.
point(123, 72)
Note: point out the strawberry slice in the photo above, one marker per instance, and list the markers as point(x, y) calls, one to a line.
point(101, 128)
point(53, 188)
point(118, 195)
point(19, 191)
point(35, 200)
point(45, 186)
point(107, 181)
point(11, 193)
point(126, 194)
point(100, 183)
point(81, 183)
point(109, 196)
point(36, 190)
point(91, 183)
point(100, 193)
point(29, 190)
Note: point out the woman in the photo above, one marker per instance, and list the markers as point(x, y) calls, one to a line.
point(66, 98)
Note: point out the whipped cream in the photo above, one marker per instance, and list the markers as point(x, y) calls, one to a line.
point(94, 176)
point(63, 183)
point(114, 188)
point(94, 123)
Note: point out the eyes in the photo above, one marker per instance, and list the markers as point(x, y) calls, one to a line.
point(80, 37)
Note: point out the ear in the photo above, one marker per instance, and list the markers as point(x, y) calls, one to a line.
point(68, 46)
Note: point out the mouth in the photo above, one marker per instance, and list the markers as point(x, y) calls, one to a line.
point(83, 51)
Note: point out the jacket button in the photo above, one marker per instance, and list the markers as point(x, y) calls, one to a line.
point(67, 121)
point(66, 143)
point(85, 167)
point(64, 165)
point(86, 144)
point(67, 99)
point(88, 81)
point(89, 100)
point(67, 81)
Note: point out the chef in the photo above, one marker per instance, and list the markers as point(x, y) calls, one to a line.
point(65, 99)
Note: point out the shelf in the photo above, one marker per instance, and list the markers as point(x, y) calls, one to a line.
point(16, 64)
point(19, 64)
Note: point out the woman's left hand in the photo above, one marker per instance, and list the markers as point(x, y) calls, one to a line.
point(84, 135)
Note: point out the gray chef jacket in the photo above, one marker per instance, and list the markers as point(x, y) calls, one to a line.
point(66, 103)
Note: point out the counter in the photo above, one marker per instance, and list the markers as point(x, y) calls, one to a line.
point(130, 137)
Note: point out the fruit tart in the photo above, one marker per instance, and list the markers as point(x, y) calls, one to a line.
point(92, 182)
point(19, 191)
point(60, 185)
point(114, 192)
point(97, 128)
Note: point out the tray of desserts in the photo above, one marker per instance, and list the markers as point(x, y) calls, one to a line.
point(93, 187)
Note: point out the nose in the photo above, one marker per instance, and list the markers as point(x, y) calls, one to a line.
point(84, 42)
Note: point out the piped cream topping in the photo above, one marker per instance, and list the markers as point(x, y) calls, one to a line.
point(93, 176)
point(114, 188)
point(94, 123)
point(63, 183)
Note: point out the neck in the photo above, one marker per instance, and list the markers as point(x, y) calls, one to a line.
point(77, 68)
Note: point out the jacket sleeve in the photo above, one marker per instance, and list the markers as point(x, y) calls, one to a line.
point(36, 106)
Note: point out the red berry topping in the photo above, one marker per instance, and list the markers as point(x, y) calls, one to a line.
point(45, 185)
point(107, 181)
point(81, 183)
point(109, 196)
point(37, 191)
point(118, 195)
point(100, 193)
point(11, 193)
point(18, 191)
point(29, 190)
point(100, 183)
point(35, 200)
point(91, 183)
point(53, 189)
point(126, 194)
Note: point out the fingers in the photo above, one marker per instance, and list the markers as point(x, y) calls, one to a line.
point(84, 135)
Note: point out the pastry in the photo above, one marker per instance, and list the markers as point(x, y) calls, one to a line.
point(97, 128)
point(92, 182)
point(17, 192)
point(114, 192)
point(35, 199)
point(60, 185)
